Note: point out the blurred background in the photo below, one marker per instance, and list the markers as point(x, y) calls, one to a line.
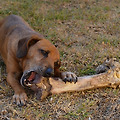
point(86, 32)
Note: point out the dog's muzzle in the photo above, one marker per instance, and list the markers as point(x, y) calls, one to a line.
point(34, 76)
point(36, 82)
point(29, 78)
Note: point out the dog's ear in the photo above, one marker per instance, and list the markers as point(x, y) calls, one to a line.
point(24, 44)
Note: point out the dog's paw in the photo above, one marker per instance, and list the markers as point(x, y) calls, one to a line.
point(20, 99)
point(69, 77)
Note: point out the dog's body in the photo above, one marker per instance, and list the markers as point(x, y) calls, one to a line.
point(25, 51)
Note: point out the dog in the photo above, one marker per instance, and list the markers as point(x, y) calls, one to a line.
point(29, 55)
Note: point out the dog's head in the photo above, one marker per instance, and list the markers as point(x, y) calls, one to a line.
point(38, 58)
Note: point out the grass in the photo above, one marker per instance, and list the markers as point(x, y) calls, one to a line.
point(86, 32)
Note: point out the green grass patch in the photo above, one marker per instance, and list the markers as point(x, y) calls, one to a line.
point(88, 71)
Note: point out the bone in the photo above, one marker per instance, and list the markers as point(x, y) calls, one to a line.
point(110, 78)
point(107, 79)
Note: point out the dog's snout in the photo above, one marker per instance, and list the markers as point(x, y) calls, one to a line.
point(48, 72)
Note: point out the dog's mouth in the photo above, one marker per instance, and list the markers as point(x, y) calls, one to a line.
point(35, 82)
point(29, 78)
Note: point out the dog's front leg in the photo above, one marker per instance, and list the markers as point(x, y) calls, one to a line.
point(20, 96)
point(66, 76)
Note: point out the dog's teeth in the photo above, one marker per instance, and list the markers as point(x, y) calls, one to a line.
point(29, 84)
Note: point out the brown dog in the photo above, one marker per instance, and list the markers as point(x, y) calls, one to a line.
point(26, 53)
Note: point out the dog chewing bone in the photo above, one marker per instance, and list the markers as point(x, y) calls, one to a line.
point(110, 78)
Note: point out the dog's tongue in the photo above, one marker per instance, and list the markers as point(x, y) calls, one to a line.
point(32, 76)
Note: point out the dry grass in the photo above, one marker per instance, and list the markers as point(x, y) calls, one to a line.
point(86, 32)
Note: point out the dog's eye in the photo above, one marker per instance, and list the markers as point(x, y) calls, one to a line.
point(44, 53)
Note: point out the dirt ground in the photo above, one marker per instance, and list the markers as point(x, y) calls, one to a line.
point(86, 32)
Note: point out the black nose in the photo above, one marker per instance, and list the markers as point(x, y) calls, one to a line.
point(48, 72)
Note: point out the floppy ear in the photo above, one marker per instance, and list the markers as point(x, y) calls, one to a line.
point(24, 44)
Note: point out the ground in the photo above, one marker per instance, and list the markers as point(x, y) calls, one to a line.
point(85, 32)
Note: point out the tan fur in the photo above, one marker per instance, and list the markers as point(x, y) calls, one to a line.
point(19, 45)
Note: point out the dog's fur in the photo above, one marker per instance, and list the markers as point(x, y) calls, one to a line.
point(23, 50)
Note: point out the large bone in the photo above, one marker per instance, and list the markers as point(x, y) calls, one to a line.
point(111, 78)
